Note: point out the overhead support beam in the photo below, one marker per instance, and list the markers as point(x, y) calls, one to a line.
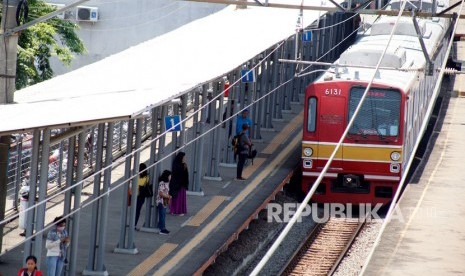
point(67, 134)
point(328, 9)
point(271, 5)
point(449, 8)
point(429, 64)
point(69, 125)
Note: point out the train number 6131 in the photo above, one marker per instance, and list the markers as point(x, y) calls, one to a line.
point(333, 91)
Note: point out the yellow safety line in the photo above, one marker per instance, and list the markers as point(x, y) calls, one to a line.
point(195, 241)
point(250, 169)
point(206, 211)
point(144, 267)
point(278, 139)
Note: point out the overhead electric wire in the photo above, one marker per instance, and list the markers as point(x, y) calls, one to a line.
point(424, 125)
point(123, 158)
point(304, 203)
point(182, 121)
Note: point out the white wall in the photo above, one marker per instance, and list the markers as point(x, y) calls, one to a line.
point(124, 23)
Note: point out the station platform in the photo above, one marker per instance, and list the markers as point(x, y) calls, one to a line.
point(211, 222)
point(459, 58)
point(427, 234)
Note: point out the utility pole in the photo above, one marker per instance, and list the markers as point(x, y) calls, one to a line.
point(8, 51)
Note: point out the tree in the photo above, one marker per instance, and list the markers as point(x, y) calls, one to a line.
point(38, 43)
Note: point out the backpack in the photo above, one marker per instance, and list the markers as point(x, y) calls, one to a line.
point(235, 143)
point(252, 154)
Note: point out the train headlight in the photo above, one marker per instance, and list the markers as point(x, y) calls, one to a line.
point(308, 152)
point(395, 156)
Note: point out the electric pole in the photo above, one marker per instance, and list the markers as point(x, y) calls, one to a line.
point(8, 51)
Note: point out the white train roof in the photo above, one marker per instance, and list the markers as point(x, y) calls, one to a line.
point(153, 72)
point(404, 52)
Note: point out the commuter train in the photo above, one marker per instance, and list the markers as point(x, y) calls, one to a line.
point(370, 163)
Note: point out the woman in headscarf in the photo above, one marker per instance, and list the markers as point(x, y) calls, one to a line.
point(178, 185)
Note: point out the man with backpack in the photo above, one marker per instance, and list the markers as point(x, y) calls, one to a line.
point(243, 146)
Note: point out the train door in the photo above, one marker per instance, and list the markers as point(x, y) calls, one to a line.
point(331, 126)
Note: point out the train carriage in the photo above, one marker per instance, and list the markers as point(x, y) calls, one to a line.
point(371, 161)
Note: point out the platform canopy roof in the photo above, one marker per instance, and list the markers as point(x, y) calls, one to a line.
point(154, 72)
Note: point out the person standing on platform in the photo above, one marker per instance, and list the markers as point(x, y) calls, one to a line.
point(244, 146)
point(163, 199)
point(242, 120)
point(141, 182)
point(56, 244)
point(31, 269)
point(178, 185)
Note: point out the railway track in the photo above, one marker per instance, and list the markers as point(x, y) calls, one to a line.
point(325, 247)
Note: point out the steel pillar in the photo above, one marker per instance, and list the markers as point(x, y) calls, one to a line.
point(19, 164)
point(69, 174)
point(75, 218)
point(134, 186)
point(30, 215)
point(105, 201)
point(93, 245)
point(122, 246)
point(151, 217)
point(40, 210)
point(60, 164)
point(213, 156)
point(196, 188)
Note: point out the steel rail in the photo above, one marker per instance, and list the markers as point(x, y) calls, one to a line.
point(306, 254)
point(349, 245)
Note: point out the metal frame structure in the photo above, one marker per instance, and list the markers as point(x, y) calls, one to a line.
point(267, 99)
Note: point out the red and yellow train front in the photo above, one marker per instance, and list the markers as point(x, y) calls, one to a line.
point(367, 167)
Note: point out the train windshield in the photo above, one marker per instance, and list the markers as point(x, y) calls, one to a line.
point(379, 114)
point(311, 119)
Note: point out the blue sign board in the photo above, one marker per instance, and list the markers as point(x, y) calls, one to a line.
point(172, 123)
point(247, 75)
point(307, 36)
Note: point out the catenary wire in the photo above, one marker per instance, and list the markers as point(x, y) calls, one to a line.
point(304, 203)
point(122, 160)
point(184, 120)
point(424, 125)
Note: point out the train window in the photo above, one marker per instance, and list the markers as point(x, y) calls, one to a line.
point(311, 120)
point(379, 114)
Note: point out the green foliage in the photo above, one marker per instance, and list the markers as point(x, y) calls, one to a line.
point(37, 44)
